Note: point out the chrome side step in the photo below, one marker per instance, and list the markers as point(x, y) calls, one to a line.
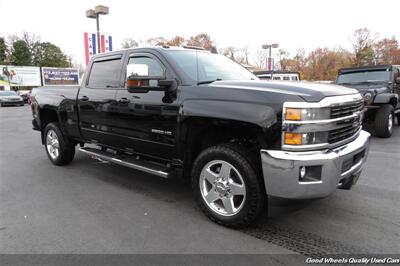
point(144, 166)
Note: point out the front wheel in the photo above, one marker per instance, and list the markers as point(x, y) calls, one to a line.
point(398, 119)
point(59, 148)
point(227, 186)
point(384, 121)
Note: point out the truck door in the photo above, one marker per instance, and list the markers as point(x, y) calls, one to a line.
point(96, 99)
point(145, 123)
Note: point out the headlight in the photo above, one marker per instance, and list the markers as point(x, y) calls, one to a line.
point(306, 114)
point(368, 97)
point(291, 138)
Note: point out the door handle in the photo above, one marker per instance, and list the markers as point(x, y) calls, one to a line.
point(124, 100)
point(84, 98)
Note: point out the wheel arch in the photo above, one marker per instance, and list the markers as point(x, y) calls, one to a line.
point(387, 98)
point(200, 133)
point(46, 116)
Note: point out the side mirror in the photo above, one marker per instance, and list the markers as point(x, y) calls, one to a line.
point(139, 81)
point(397, 80)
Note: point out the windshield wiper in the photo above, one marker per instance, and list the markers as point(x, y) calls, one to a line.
point(208, 81)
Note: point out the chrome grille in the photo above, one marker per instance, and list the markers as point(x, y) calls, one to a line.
point(341, 126)
point(343, 133)
point(346, 109)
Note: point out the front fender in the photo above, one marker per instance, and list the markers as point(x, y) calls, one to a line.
point(386, 98)
point(254, 113)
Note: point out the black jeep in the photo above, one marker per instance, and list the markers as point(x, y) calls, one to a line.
point(380, 87)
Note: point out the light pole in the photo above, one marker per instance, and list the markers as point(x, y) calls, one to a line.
point(98, 10)
point(270, 65)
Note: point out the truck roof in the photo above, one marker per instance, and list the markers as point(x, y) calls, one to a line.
point(364, 68)
point(160, 48)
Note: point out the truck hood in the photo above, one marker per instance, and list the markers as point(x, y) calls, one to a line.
point(309, 91)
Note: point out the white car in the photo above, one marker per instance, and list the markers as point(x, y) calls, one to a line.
point(278, 75)
point(8, 98)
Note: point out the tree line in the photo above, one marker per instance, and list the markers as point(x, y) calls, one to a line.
point(319, 64)
point(29, 50)
point(323, 63)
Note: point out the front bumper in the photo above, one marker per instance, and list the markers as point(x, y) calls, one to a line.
point(11, 103)
point(328, 169)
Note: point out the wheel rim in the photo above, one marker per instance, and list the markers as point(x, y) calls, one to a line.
point(390, 123)
point(222, 187)
point(52, 144)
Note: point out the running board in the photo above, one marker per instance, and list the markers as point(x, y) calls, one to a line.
point(144, 166)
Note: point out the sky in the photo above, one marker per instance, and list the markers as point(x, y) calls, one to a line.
point(293, 24)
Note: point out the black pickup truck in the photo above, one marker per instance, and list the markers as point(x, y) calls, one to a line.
point(380, 87)
point(188, 112)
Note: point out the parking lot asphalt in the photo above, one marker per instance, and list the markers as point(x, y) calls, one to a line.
point(95, 207)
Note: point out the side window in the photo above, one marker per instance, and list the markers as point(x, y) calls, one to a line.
point(286, 78)
point(294, 78)
point(105, 74)
point(155, 69)
point(277, 78)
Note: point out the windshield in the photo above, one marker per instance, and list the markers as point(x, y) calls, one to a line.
point(7, 93)
point(202, 67)
point(381, 75)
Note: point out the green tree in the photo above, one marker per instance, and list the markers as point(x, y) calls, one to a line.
point(3, 51)
point(49, 55)
point(20, 54)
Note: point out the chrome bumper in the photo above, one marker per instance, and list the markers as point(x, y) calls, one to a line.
point(325, 170)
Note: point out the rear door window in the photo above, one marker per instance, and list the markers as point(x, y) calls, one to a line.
point(105, 74)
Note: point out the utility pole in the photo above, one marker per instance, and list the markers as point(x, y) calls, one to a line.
point(270, 65)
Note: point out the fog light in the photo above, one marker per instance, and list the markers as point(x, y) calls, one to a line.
point(302, 172)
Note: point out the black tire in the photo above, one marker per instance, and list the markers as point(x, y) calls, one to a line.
point(398, 119)
point(239, 158)
point(66, 147)
point(383, 128)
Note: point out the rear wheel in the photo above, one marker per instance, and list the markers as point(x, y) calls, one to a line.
point(59, 148)
point(227, 186)
point(384, 121)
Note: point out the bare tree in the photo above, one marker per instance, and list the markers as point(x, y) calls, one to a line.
point(363, 41)
point(129, 43)
point(155, 41)
point(283, 59)
point(260, 58)
point(229, 52)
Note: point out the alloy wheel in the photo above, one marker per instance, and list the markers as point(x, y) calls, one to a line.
point(222, 187)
